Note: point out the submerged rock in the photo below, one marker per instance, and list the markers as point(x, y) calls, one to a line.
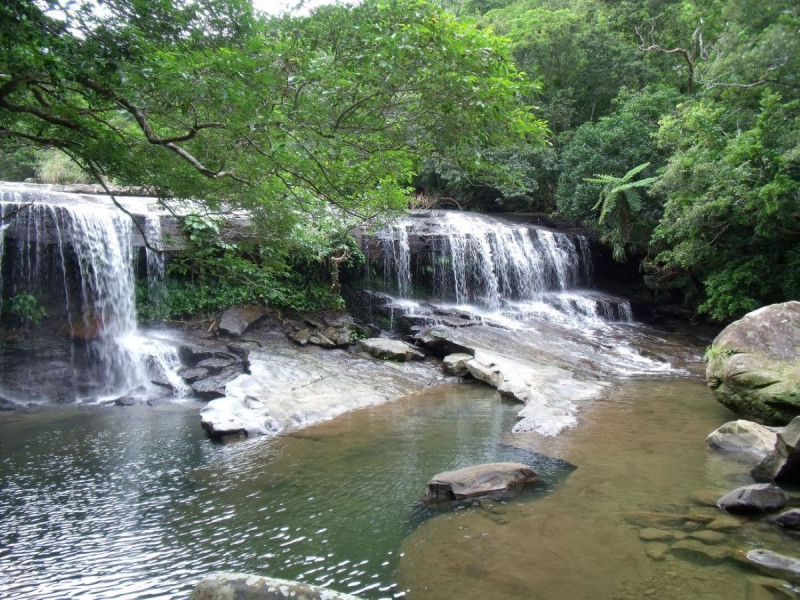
point(698, 551)
point(480, 480)
point(754, 364)
point(241, 586)
point(388, 349)
point(772, 563)
point(744, 437)
point(760, 497)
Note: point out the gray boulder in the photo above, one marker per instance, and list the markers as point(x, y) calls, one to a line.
point(387, 349)
point(759, 497)
point(235, 321)
point(481, 480)
point(241, 586)
point(783, 462)
point(745, 437)
point(754, 364)
point(789, 519)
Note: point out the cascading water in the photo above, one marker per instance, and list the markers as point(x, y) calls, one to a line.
point(75, 260)
point(455, 269)
point(494, 267)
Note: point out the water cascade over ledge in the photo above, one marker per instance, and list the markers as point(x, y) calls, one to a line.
point(73, 261)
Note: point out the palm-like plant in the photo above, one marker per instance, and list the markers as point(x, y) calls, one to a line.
point(620, 199)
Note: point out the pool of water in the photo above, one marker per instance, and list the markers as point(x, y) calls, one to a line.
point(135, 502)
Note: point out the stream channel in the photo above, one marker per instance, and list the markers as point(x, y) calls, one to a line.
point(101, 501)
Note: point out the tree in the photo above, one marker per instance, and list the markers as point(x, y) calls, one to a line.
point(618, 205)
point(281, 117)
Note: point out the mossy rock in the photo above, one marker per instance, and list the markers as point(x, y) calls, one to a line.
point(754, 364)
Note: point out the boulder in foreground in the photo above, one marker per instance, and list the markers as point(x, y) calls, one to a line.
point(760, 497)
point(480, 480)
point(241, 586)
point(743, 437)
point(754, 364)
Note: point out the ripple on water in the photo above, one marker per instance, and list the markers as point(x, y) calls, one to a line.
point(105, 502)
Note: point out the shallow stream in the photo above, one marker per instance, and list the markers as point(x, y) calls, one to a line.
point(135, 502)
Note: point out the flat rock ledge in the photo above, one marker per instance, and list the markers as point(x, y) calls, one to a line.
point(388, 349)
point(481, 480)
point(241, 586)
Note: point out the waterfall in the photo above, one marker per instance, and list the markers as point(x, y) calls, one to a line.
point(77, 262)
point(490, 265)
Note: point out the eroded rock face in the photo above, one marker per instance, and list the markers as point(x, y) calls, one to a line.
point(743, 437)
point(754, 364)
point(241, 586)
point(480, 480)
point(760, 497)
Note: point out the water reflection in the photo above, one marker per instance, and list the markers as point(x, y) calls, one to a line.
point(135, 502)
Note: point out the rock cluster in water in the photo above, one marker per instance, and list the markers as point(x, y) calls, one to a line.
point(243, 586)
point(754, 364)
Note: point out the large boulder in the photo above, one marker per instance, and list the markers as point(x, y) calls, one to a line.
point(754, 364)
point(743, 437)
point(241, 586)
point(772, 563)
point(481, 480)
point(760, 497)
point(388, 349)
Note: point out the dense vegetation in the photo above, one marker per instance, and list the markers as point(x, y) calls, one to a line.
point(673, 128)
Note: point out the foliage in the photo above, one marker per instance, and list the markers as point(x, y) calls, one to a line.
point(619, 202)
point(732, 216)
point(26, 308)
point(53, 166)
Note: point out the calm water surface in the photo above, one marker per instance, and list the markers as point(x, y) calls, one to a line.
point(136, 502)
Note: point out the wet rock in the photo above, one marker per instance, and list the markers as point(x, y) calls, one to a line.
point(655, 519)
point(754, 364)
point(387, 349)
point(651, 534)
point(215, 365)
point(769, 588)
point(724, 523)
point(760, 497)
point(241, 586)
point(437, 341)
point(456, 364)
point(702, 515)
point(480, 480)
point(705, 497)
point(191, 354)
point(708, 537)
point(656, 550)
point(783, 462)
point(193, 374)
point(789, 519)
point(128, 401)
point(772, 563)
point(214, 386)
point(235, 321)
point(6, 404)
point(696, 550)
point(744, 437)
